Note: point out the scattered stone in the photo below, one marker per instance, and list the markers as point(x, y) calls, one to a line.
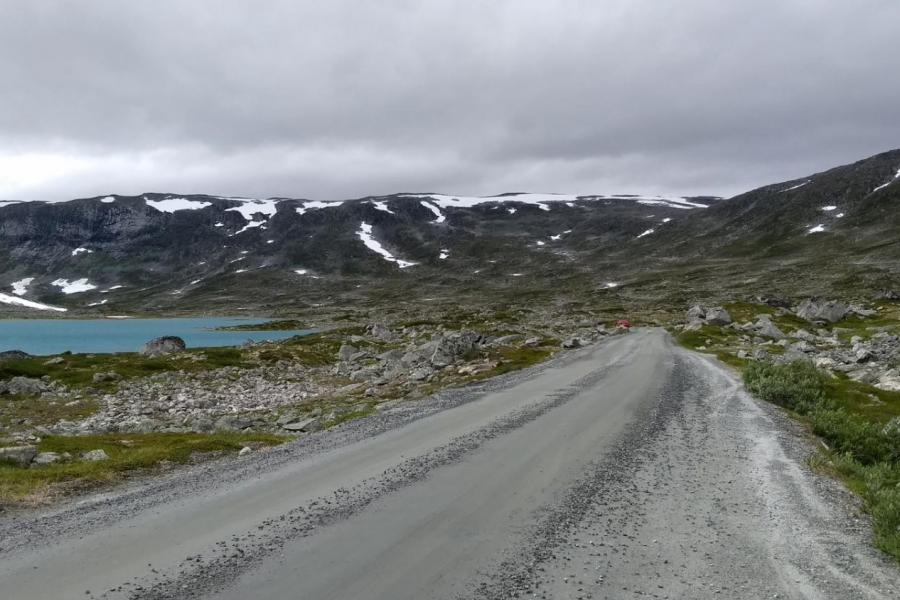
point(245, 451)
point(571, 343)
point(56, 360)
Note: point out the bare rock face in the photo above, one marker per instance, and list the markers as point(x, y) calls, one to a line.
point(20, 455)
point(168, 344)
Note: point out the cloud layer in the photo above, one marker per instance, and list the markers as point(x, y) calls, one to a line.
point(345, 98)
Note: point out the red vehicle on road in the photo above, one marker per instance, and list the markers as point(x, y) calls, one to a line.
point(623, 324)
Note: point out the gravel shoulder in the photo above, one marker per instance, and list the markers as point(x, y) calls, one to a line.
point(627, 469)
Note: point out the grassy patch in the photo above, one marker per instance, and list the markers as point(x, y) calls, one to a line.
point(33, 411)
point(127, 452)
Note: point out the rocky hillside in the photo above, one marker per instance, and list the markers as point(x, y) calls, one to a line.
point(832, 232)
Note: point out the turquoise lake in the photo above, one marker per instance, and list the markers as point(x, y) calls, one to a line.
point(53, 336)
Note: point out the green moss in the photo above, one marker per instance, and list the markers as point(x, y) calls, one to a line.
point(127, 452)
point(39, 411)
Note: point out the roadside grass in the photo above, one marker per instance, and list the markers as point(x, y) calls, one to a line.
point(514, 359)
point(77, 370)
point(127, 453)
point(863, 450)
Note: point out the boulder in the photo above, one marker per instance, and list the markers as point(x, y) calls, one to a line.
point(19, 455)
point(380, 332)
point(822, 311)
point(245, 451)
point(696, 313)
point(46, 458)
point(95, 455)
point(102, 377)
point(889, 381)
point(306, 425)
point(24, 386)
point(448, 348)
point(56, 360)
point(13, 355)
point(717, 316)
point(167, 344)
point(572, 343)
point(766, 328)
point(345, 352)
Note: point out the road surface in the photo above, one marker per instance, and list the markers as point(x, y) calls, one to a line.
point(629, 469)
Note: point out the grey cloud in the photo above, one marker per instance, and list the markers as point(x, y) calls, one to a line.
point(342, 98)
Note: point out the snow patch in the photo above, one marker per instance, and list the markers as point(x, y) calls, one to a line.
point(539, 243)
point(611, 284)
point(839, 215)
point(667, 219)
point(74, 287)
point(365, 234)
point(829, 208)
point(20, 287)
point(247, 227)
point(648, 232)
point(78, 251)
point(313, 204)
point(884, 185)
point(113, 288)
point(444, 254)
point(816, 229)
point(437, 212)
point(249, 207)
point(16, 301)
point(794, 187)
point(101, 303)
point(171, 205)
point(382, 206)
point(108, 200)
point(511, 211)
point(219, 225)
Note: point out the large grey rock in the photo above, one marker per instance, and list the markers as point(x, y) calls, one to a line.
point(571, 343)
point(455, 345)
point(696, 313)
point(818, 311)
point(167, 344)
point(20, 455)
point(24, 386)
point(889, 381)
point(13, 355)
point(766, 328)
point(95, 455)
point(306, 425)
point(346, 352)
point(46, 458)
point(717, 316)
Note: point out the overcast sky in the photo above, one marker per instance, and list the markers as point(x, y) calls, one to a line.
point(336, 99)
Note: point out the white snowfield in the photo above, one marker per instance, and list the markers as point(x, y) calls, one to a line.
point(74, 287)
point(542, 201)
point(108, 200)
point(78, 251)
point(171, 205)
point(365, 234)
point(250, 207)
point(16, 301)
point(20, 287)
point(440, 218)
point(884, 185)
point(313, 204)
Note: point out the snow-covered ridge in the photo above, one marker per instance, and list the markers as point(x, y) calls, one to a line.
point(365, 234)
point(542, 200)
point(171, 205)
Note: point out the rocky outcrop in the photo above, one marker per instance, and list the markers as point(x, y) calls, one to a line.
point(13, 355)
point(700, 315)
point(167, 344)
point(18, 455)
point(822, 311)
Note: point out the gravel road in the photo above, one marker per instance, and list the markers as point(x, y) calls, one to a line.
point(629, 469)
